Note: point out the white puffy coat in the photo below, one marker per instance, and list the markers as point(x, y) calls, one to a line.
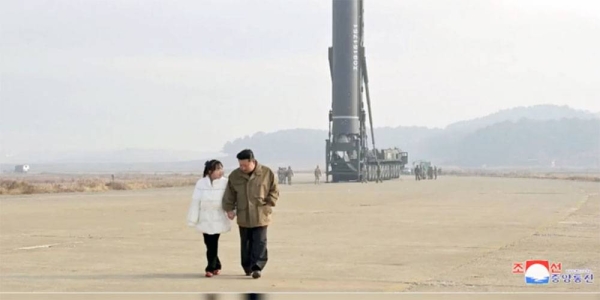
point(206, 212)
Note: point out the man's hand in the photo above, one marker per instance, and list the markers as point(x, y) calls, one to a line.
point(231, 215)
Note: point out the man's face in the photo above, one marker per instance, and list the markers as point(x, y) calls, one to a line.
point(247, 165)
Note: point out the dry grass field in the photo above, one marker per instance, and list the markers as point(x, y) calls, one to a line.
point(67, 183)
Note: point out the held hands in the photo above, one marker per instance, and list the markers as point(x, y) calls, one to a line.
point(231, 215)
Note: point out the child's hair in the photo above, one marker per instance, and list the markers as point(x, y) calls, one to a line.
point(210, 166)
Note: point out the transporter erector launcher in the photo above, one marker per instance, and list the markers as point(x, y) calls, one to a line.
point(348, 157)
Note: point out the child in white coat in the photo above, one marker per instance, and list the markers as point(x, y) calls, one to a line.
point(207, 215)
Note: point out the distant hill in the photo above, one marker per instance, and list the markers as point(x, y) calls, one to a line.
point(522, 136)
point(536, 113)
point(286, 147)
point(533, 136)
point(567, 142)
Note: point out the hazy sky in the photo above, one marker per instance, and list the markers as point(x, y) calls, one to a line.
point(192, 74)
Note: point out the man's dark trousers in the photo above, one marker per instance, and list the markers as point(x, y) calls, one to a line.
point(253, 248)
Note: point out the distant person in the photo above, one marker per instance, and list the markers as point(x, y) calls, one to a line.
point(289, 174)
point(284, 176)
point(317, 175)
point(417, 173)
point(379, 179)
point(365, 175)
point(435, 172)
point(207, 215)
point(281, 175)
point(251, 194)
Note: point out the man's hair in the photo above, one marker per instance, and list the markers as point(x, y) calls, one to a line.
point(245, 154)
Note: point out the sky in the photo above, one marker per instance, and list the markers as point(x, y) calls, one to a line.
point(193, 74)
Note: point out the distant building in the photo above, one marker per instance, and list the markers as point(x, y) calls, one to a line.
point(21, 168)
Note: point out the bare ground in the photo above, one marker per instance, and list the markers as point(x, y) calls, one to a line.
point(455, 234)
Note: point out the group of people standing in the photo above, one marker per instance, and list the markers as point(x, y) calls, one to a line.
point(422, 173)
point(248, 194)
point(285, 175)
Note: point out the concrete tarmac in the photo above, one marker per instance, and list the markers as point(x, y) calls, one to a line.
point(453, 234)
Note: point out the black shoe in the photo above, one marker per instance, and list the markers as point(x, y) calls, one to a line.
point(248, 272)
point(256, 274)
